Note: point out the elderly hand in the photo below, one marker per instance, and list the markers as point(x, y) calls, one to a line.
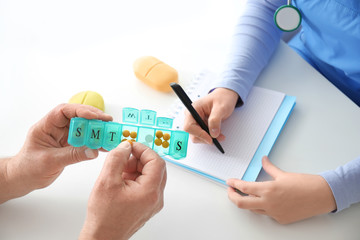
point(46, 152)
point(128, 192)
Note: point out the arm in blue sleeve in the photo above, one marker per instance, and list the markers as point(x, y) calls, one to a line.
point(345, 184)
point(254, 41)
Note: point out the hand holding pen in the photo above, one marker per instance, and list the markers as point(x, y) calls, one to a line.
point(213, 109)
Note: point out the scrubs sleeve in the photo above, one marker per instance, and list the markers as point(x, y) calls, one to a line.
point(345, 184)
point(254, 41)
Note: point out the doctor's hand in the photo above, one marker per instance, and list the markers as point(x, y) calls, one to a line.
point(213, 109)
point(128, 192)
point(46, 152)
point(290, 197)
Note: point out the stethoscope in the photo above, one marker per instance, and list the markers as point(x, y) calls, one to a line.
point(287, 17)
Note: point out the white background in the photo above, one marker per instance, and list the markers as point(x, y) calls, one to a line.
point(51, 50)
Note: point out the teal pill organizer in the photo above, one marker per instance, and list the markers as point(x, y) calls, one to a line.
point(139, 126)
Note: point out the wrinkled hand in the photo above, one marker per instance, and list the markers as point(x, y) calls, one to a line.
point(213, 109)
point(46, 152)
point(128, 192)
point(290, 197)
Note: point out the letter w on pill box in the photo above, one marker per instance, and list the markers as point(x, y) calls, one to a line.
point(138, 125)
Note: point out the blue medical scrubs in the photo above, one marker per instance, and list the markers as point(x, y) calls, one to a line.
point(330, 41)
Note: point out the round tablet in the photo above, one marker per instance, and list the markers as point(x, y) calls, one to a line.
point(126, 133)
point(133, 134)
point(166, 136)
point(149, 138)
point(165, 144)
point(159, 134)
point(158, 142)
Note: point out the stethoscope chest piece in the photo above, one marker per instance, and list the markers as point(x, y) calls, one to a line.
point(287, 17)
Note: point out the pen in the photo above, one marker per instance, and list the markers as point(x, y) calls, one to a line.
point(187, 102)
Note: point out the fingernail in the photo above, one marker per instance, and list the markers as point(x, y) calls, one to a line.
point(214, 132)
point(108, 115)
point(91, 153)
point(125, 145)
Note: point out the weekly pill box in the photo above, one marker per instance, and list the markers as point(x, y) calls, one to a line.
point(138, 126)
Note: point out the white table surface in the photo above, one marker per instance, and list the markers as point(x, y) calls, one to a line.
point(50, 50)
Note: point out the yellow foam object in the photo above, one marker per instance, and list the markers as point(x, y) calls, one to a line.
point(89, 98)
point(155, 73)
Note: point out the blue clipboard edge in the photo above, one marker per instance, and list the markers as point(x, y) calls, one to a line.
point(270, 137)
point(264, 148)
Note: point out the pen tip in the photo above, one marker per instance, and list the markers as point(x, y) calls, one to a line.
point(221, 149)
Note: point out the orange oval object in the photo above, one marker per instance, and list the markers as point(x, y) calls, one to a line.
point(158, 142)
point(165, 144)
point(133, 134)
point(126, 133)
point(159, 134)
point(166, 136)
point(155, 73)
